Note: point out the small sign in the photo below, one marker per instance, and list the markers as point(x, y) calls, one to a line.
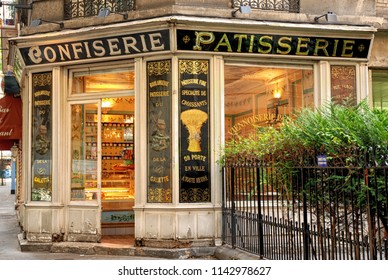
point(118, 217)
point(322, 160)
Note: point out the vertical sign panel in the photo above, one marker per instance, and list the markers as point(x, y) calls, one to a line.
point(159, 131)
point(343, 84)
point(194, 131)
point(41, 137)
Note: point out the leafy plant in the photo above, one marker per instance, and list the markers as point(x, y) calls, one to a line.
point(343, 133)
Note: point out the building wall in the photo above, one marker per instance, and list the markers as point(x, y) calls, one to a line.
point(344, 7)
point(147, 4)
point(48, 10)
point(381, 7)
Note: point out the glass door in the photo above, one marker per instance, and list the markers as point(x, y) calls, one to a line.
point(102, 160)
point(85, 147)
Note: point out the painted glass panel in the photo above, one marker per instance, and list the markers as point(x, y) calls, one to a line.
point(194, 131)
point(159, 131)
point(41, 137)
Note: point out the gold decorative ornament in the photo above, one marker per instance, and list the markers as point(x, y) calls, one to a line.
point(159, 68)
point(42, 79)
point(194, 67)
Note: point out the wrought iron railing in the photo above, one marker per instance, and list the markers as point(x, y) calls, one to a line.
point(306, 213)
point(291, 6)
point(88, 8)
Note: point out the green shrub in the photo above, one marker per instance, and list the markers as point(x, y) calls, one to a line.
point(343, 133)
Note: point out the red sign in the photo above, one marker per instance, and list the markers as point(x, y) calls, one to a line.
point(10, 118)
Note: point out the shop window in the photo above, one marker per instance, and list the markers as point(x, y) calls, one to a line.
point(380, 88)
point(106, 80)
point(263, 96)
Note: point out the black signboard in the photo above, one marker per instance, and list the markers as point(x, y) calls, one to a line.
point(129, 44)
point(272, 44)
point(159, 131)
point(194, 131)
point(41, 137)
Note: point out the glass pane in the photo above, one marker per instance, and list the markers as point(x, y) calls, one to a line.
point(102, 81)
point(83, 152)
point(262, 96)
point(380, 88)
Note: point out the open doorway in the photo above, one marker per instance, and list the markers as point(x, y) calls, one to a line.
point(103, 167)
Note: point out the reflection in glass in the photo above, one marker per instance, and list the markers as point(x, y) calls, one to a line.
point(102, 81)
point(83, 154)
point(380, 89)
point(263, 96)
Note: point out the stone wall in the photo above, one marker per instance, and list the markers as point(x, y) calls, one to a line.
point(382, 8)
point(150, 4)
point(48, 10)
point(343, 7)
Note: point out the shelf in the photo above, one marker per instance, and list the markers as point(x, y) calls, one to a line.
point(110, 194)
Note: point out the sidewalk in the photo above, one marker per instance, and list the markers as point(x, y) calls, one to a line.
point(9, 226)
point(13, 246)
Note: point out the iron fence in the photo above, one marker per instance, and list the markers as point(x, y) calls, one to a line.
point(292, 6)
point(305, 213)
point(88, 8)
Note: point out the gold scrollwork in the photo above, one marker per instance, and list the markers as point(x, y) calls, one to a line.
point(158, 68)
point(195, 195)
point(42, 79)
point(157, 195)
point(194, 67)
point(343, 72)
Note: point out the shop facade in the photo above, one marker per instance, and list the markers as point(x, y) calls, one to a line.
point(124, 131)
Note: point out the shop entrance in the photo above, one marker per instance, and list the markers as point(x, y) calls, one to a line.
point(103, 163)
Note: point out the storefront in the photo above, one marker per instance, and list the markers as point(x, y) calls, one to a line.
point(124, 131)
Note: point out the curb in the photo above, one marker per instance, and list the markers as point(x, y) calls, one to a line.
point(223, 252)
point(226, 252)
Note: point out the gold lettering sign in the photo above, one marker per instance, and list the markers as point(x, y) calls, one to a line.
point(271, 44)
